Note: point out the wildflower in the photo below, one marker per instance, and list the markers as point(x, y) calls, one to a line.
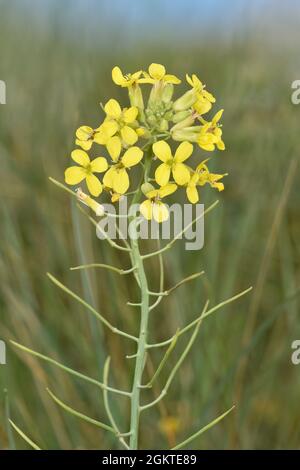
point(84, 136)
point(205, 99)
point(116, 178)
point(94, 205)
point(125, 80)
point(172, 164)
point(157, 73)
point(153, 207)
point(86, 170)
point(119, 124)
point(212, 179)
point(200, 177)
point(211, 134)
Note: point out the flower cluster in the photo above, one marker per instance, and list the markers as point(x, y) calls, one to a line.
point(138, 135)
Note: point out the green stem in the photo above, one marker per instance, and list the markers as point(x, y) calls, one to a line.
point(142, 339)
point(141, 350)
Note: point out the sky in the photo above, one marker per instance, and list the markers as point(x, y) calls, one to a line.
point(132, 19)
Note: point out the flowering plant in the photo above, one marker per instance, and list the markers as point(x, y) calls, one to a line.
point(139, 136)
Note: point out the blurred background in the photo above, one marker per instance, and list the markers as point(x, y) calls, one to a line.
point(56, 59)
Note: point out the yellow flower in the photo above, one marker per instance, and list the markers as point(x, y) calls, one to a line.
point(117, 128)
point(125, 80)
point(116, 178)
point(211, 134)
point(153, 207)
point(157, 73)
point(85, 137)
point(86, 170)
point(204, 98)
point(172, 164)
point(200, 177)
point(213, 179)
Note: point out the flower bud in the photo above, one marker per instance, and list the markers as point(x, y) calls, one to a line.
point(167, 93)
point(163, 125)
point(188, 134)
point(187, 122)
point(146, 188)
point(135, 96)
point(180, 116)
point(185, 101)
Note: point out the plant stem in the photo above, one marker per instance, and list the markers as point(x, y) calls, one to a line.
point(142, 339)
point(141, 350)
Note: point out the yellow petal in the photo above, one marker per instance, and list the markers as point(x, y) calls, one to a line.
point(221, 145)
point(74, 175)
point(208, 96)
point(171, 79)
point(192, 194)
point(114, 147)
point(101, 138)
point(84, 133)
point(132, 157)
point(84, 144)
point(146, 209)
point(160, 212)
point(130, 115)
point(202, 106)
point(109, 177)
point(162, 174)
point(115, 197)
point(167, 190)
point(80, 157)
point(94, 185)
point(120, 181)
point(152, 194)
point(140, 131)
point(180, 173)
point(129, 135)
point(109, 127)
point(219, 186)
point(146, 79)
point(218, 116)
point(98, 165)
point(189, 80)
point(183, 152)
point(162, 150)
point(117, 76)
point(157, 71)
point(207, 147)
point(113, 109)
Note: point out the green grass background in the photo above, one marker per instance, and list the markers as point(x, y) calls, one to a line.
point(56, 77)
